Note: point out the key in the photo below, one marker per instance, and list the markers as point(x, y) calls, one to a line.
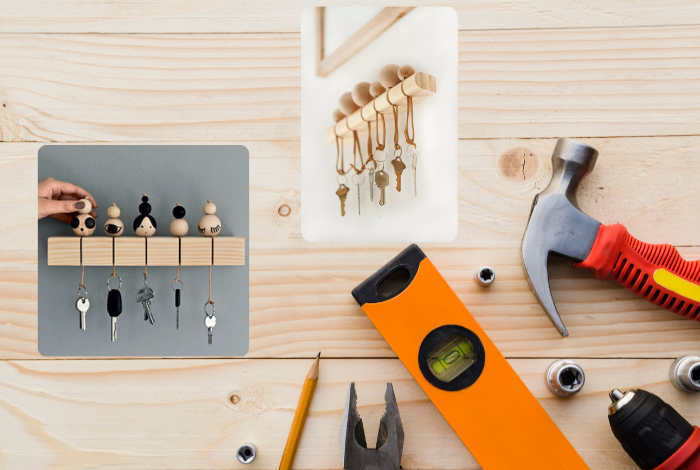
point(399, 167)
point(82, 304)
point(414, 165)
point(177, 309)
point(144, 296)
point(371, 184)
point(114, 308)
point(210, 323)
point(358, 200)
point(381, 179)
point(342, 193)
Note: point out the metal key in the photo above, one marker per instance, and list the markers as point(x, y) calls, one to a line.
point(210, 323)
point(371, 184)
point(342, 193)
point(414, 165)
point(82, 304)
point(399, 167)
point(381, 179)
point(144, 296)
point(177, 290)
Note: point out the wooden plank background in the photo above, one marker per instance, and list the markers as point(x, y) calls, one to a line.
point(618, 74)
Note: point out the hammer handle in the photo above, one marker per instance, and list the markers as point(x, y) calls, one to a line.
point(656, 273)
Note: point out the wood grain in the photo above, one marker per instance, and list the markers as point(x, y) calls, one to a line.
point(180, 414)
point(215, 16)
point(300, 292)
point(241, 87)
point(131, 251)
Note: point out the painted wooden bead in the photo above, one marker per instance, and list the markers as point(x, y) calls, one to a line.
point(389, 75)
point(87, 208)
point(83, 225)
point(144, 224)
point(114, 227)
point(179, 226)
point(209, 225)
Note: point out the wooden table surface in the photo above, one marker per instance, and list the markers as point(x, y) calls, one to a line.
point(621, 75)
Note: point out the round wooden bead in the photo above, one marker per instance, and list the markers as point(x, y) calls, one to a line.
point(179, 227)
point(376, 89)
point(360, 94)
point(114, 227)
point(209, 225)
point(87, 208)
point(83, 225)
point(347, 105)
point(145, 224)
point(338, 115)
point(388, 75)
point(404, 72)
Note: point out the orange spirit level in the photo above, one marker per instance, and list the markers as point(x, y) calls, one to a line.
point(460, 369)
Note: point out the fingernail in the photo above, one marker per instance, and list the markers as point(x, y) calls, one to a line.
point(80, 205)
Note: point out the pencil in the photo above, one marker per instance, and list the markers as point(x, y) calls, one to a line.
point(307, 394)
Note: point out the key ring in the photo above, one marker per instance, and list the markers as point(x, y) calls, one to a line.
point(83, 288)
point(213, 308)
point(360, 177)
point(414, 152)
point(345, 180)
point(378, 159)
point(176, 283)
point(398, 150)
point(108, 279)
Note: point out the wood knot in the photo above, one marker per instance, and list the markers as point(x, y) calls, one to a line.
point(284, 210)
point(518, 165)
point(235, 399)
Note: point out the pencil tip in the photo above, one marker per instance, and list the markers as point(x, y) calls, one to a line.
point(318, 356)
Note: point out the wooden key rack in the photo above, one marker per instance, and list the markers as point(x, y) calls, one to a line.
point(139, 251)
point(419, 85)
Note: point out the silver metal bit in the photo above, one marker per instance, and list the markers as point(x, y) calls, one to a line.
point(82, 304)
point(210, 323)
point(177, 318)
point(414, 165)
point(390, 439)
point(371, 184)
point(114, 328)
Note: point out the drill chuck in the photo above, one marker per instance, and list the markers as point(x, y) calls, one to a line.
point(652, 433)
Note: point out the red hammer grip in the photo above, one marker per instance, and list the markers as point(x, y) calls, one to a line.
point(657, 273)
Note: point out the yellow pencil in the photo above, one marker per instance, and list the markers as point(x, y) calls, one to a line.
point(307, 394)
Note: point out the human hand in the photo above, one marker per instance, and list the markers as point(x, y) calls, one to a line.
point(61, 200)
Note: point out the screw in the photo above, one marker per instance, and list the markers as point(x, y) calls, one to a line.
point(485, 276)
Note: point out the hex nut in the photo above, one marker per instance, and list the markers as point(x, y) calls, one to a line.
point(565, 378)
point(484, 276)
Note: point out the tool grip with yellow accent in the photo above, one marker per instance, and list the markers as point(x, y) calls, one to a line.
point(656, 273)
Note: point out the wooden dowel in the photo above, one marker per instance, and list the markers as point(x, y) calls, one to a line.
point(419, 86)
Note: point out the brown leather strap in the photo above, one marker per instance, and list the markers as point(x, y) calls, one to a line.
point(340, 154)
point(357, 149)
point(409, 114)
point(377, 115)
point(395, 110)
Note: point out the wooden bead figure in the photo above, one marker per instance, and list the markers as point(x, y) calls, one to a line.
point(114, 227)
point(83, 224)
point(179, 227)
point(144, 224)
point(209, 225)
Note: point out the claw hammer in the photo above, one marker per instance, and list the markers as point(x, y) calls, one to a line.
point(557, 225)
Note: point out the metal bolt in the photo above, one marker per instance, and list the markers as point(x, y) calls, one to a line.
point(485, 276)
point(685, 373)
point(565, 378)
point(246, 453)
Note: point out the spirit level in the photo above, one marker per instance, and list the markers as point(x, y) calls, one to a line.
point(460, 369)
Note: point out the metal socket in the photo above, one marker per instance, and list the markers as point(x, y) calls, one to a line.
point(484, 276)
point(685, 373)
point(246, 453)
point(565, 378)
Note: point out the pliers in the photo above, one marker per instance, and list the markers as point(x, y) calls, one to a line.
point(353, 445)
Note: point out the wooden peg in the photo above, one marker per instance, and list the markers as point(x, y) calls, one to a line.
point(114, 227)
point(338, 115)
point(83, 224)
point(209, 225)
point(389, 75)
point(376, 89)
point(179, 227)
point(347, 105)
point(144, 224)
point(404, 72)
point(360, 94)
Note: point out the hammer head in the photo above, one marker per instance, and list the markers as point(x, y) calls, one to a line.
point(556, 223)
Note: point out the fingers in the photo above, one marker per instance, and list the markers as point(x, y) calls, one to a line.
point(62, 187)
point(65, 218)
point(51, 206)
